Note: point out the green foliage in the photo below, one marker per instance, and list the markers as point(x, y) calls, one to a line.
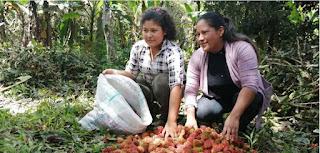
point(286, 33)
point(269, 139)
point(47, 67)
point(53, 127)
point(296, 16)
point(285, 142)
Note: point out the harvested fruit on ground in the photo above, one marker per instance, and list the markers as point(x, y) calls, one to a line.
point(203, 139)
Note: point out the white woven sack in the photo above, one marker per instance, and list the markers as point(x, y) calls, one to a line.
point(119, 105)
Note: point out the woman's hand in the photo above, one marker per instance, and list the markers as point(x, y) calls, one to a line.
point(170, 129)
point(191, 123)
point(191, 119)
point(119, 72)
point(231, 127)
point(109, 71)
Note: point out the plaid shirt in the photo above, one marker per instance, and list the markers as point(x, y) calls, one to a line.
point(169, 60)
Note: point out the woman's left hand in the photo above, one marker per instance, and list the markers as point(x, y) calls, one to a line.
point(169, 130)
point(231, 127)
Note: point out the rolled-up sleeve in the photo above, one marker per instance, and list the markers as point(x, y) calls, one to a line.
point(193, 80)
point(176, 67)
point(133, 63)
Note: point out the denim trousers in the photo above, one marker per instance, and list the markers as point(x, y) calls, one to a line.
point(211, 110)
point(157, 94)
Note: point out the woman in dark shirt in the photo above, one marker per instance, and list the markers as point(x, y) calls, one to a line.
point(225, 70)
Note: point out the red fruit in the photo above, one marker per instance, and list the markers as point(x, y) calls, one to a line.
point(218, 140)
point(254, 151)
point(179, 148)
point(214, 134)
point(205, 135)
point(155, 144)
point(120, 140)
point(207, 151)
point(197, 150)
point(108, 149)
point(129, 137)
point(144, 145)
point(191, 137)
point(187, 146)
point(238, 142)
point(197, 143)
point(118, 151)
point(147, 140)
point(158, 130)
point(151, 147)
point(132, 150)
point(169, 142)
point(246, 146)
point(207, 144)
point(145, 134)
point(171, 149)
point(180, 140)
point(189, 140)
point(189, 131)
point(141, 149)
point(136, 136)
point(197, 132)
point(314, 145)
point(217, 147)
point(132, 145)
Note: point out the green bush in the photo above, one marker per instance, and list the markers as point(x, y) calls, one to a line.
point(48, 67)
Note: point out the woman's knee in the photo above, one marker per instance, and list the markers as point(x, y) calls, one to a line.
point(208, 110)
point(160, 84)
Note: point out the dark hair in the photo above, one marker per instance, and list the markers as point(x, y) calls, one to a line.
point(230, 35)
point(162, 17)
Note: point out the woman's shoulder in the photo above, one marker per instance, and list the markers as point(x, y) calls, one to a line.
point(239, 43)
point(138, 46)
point(171, 45)
point(198, 53)
point(140, 43)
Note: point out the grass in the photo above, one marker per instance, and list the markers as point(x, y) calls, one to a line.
point(53, 127)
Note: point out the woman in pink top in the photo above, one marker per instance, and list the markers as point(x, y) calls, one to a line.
point(225, 70)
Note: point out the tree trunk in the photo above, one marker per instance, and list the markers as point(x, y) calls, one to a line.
point(36, 30)
point(71, 34)
point(47, 41)
point(107, 32)
point(26, 26)
point(2, 26)
point(122, 36)
point(92, 15)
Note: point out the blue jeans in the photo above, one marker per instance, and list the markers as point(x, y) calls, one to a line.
point(211, 110)
point(156, 93)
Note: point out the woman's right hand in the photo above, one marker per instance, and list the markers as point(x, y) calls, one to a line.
point(118, 72)
point(191, 119)
point(191, 123)
point(109, 71)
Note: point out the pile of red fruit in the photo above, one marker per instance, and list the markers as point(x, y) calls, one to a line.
point(189, 140)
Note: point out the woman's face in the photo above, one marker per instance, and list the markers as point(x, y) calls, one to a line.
point(153, 34)
point(209, 38)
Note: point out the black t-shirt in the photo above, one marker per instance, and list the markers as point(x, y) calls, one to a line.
point(219, 80)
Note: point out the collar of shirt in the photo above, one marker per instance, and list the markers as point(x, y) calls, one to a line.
point(164, 46)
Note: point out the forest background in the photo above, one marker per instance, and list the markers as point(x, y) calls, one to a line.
point(51, 53)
